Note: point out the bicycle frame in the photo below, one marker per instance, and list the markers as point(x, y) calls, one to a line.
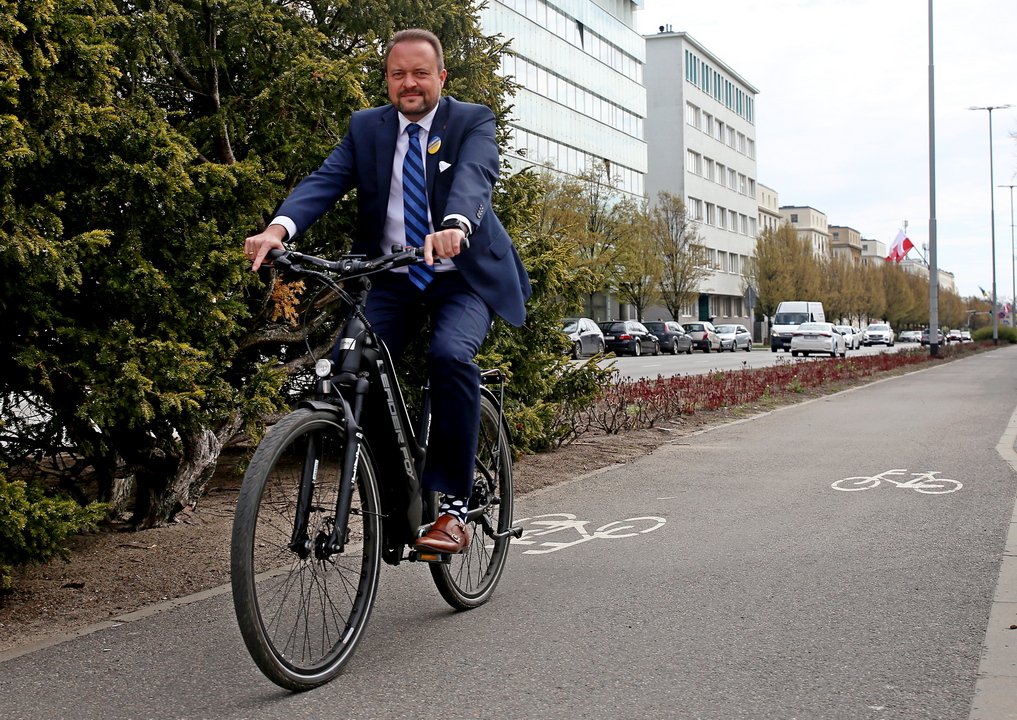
point(364, 362)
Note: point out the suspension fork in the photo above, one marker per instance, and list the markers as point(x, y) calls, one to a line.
point(351, 459)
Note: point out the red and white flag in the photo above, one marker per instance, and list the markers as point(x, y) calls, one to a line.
point(901, 246)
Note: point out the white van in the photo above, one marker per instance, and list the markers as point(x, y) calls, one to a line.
point(790, 314)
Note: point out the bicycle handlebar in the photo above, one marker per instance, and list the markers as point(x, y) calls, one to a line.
point(351, 266)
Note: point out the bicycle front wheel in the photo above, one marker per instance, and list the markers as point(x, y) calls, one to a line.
point(469, 579)
point(302, 608)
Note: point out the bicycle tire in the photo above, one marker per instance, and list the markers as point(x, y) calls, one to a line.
point(302, 618)
point(469, 579)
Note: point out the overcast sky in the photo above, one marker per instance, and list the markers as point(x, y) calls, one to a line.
point(842, 114)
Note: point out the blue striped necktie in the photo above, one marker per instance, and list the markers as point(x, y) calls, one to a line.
point(415, 205)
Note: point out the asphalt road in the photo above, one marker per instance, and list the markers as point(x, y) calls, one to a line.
point(723, 576)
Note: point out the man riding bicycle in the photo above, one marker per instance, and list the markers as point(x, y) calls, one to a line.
point(424, 169)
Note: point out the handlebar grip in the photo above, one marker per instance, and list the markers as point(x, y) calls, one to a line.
point(275, 254)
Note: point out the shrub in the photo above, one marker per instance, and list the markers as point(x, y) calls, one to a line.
point(635, 404)
point(34, 526)
point(1004, 332)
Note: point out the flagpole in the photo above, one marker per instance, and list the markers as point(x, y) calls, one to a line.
point(933, 267)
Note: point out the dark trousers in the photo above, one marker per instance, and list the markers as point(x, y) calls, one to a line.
point(459, 322)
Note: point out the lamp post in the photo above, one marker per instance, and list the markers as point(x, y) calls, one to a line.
point(1013, 262)
point(992, 198)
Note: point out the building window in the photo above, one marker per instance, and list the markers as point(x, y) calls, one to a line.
point(692, 159)
point(721, 218)
point(692, 115)
point(695, 208)
point(711, 214)
point(708, 168)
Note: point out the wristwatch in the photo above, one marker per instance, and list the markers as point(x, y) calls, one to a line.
point(453, 223)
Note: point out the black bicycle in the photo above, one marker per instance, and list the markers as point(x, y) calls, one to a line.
point(334, 489)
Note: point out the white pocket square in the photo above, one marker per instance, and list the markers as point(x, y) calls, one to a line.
point(443, 166)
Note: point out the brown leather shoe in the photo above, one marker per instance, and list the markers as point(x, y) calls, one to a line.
point(447, 535)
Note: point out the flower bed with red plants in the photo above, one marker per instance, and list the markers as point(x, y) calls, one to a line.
point(636, 404)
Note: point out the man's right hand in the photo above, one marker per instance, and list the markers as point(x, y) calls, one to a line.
point(257, 247)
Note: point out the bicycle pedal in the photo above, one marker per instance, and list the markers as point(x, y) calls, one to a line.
point(431, 557)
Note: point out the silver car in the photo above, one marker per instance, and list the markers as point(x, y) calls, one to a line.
point(734, 337)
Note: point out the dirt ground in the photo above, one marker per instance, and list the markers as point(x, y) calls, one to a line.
point(113, 573)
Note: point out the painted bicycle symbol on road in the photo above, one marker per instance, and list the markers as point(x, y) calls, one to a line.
point(923, 482)
point(542, 525)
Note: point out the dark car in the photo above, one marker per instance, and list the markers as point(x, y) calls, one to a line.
point(940, 339)
point(671, 335)
point(585, 335)
point(629, 336)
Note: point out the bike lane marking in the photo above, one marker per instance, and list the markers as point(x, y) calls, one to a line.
point(551, 523)
point(924, 482)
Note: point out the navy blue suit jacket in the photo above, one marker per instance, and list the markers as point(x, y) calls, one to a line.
point(460, 178)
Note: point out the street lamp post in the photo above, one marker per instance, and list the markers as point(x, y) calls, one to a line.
point(1013, 263)
point(992, 198)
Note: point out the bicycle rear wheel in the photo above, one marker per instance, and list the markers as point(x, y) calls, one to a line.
point(469, 579)
point(302, 609)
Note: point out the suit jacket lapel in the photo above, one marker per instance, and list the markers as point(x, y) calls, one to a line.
point(385, 143)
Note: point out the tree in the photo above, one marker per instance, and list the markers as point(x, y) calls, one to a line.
point(141, 143)
point(783, 268)
point(596, 201)
point(843, 288)
point(639, 265)
point(901, 301)
point(682, 256)
point(874, 307)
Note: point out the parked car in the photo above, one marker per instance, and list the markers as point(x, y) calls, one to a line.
point(965, 335)
point(852, 337)
point(821, 337)
point(672, 336)
point(629, 336)
point(954, 336)
point(910, 336)
point(940, 338)
point(586, 336)
point(734, 337)
point(704, 335)
point(877, 334)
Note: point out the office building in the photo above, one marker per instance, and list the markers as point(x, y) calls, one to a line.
point(769, 207)
point(811, 225)
point(701, 144)
point(845, 242)
point(581, 103)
